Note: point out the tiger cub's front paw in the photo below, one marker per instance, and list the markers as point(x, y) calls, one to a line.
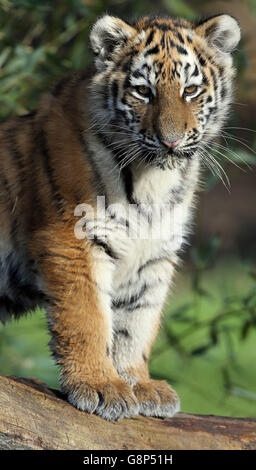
point(157, 398)
point(111, 401)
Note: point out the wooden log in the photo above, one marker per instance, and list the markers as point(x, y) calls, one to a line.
point(35, 417)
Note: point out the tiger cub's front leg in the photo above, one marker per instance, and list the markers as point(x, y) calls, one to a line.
point(80, 322)
point(137, 315)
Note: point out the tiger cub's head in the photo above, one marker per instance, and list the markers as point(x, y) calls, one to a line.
point(163, 86)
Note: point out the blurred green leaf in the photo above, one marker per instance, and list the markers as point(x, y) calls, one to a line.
point(246, 328)
point(180, 8)
point(201, 350)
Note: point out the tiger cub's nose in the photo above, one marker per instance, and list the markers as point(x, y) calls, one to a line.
point(171, 143)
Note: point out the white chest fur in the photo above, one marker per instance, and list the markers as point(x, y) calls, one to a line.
point(161, 219)
point(151, 226)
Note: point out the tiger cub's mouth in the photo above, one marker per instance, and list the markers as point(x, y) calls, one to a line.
point(165, 158)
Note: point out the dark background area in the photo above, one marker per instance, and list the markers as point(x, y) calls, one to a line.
point(206, 347)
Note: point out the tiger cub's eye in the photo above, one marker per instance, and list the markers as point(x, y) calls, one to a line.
point(190, 90)
point(143, 90)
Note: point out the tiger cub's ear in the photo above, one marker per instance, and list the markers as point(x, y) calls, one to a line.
point(108, 34)
point(222, 32)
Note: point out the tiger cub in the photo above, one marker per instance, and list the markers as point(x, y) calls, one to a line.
point(96, 195)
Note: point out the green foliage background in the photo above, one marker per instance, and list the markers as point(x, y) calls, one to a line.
point(206, 347)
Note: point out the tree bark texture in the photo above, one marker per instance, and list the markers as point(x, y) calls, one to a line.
point(35, 417)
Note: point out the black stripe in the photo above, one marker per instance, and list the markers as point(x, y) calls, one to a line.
point(153, 50)
point(179, 36)
point(114, 89)
point(205, 80)
point(187, 66)
point(144, 357)
point(141, 305)
point(172, 43)
point(212, 109)
point(180, 24)
point(181, 50)
point(105, 247)
point(221, 70)
point(126, 83)
point(223, 92)
point(214, 77)
point(150, 262)
point(195, 72)
point(127, 65)
point(49, 171)
point(125, 303)
point(123, 332)
point(176, 195)
point(162, 26)
point(146, 67)
point(137, 74)
point(202, 61)
point(128, 184)
point(163, 42)
point(150, 38)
